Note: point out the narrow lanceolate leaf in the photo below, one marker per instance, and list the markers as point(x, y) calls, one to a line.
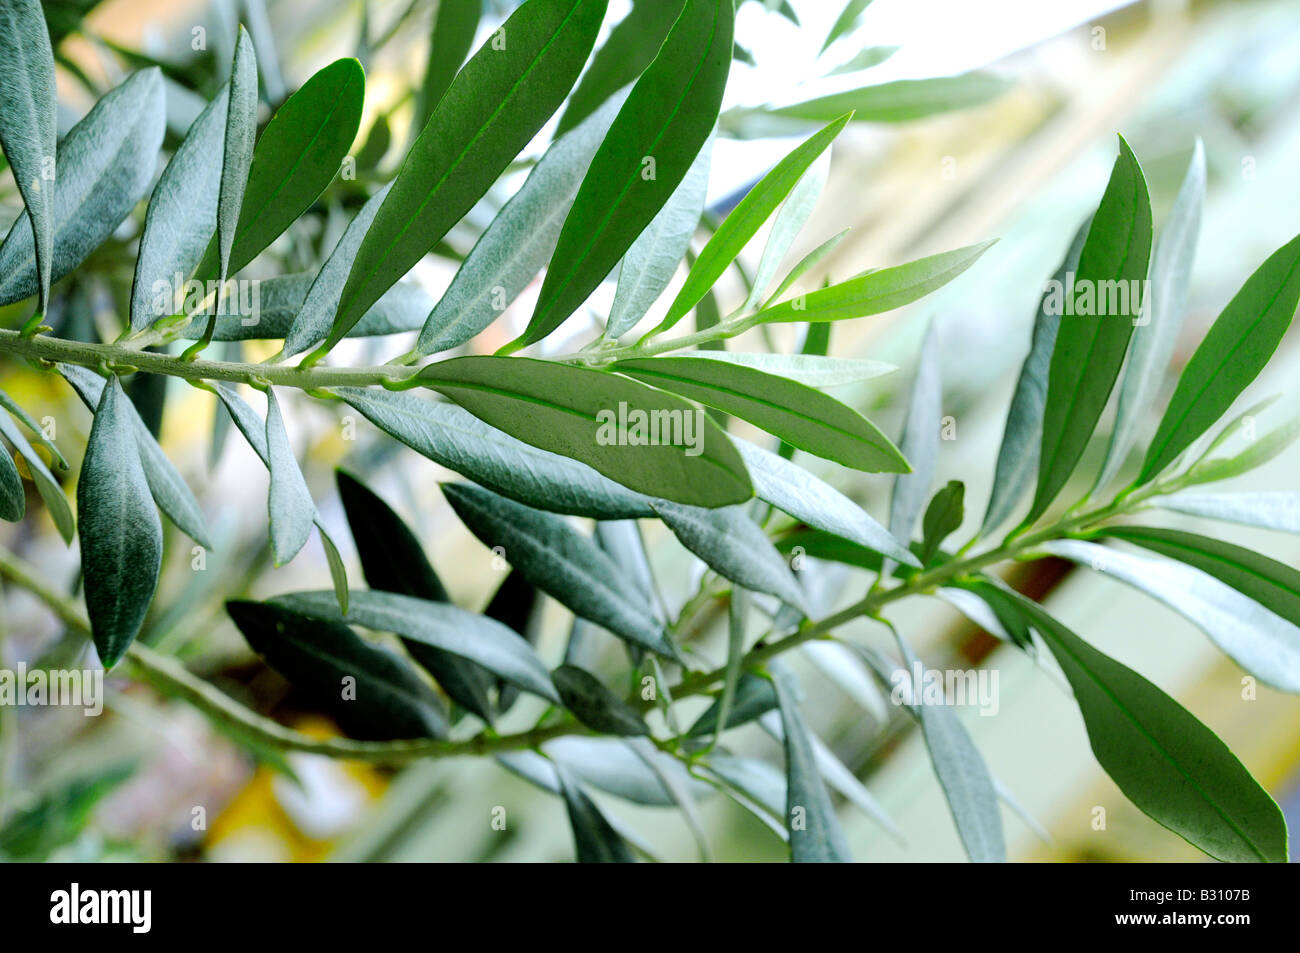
point(393, 561)
point(612, 766)
point(519, 241)
point(789, 221)
point(901, 101)
point(595, 705)
point(56, 501)
point(803, 417)
point(630, 47)
point(650, 441)
point(106, 163)
point(1018, 456)
point(13, 499)
point(651, 262)
point(1235, 350)
point(494, 106)
point(11, 405)
point(815, 834)
point(1175, 769)
point(181, 218)
point(254, 430)
point(651, 145)
point(297, 156)
point(733, 545)
point(806, 264)
point(942, 517)
point(454, 438)
point(809, 369)
point(864, 59)
point(374, 694)
point(846, 21)
point(595, 839)
point(963, 775)
point(1272, 584)
point(237, 147)
point(438, 625)
point(920, 441)
point(747, 218)
point(563, 563)
point(874, 292)
point(121, 536)
point(754, 697)
point(1278, 510)
point(1162, 316)
point(289, 502)
point(454, 26)
point(28, 124)
point(793, 490)
point(1100, 309)
point(315, 312)
point(1255, 454)
point(168, 487)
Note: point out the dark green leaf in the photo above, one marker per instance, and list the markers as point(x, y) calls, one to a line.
point(373, 693)
point(493, 108)
point(594, 837)
point(1175, 769)
point(454, 26)
point(665, 120)
point(56, 501)
point(801, 416)
point(815, 834)
point(13, 498)
point(121, 536)
point(1235, 350)
point(754, 697)
point(1090, 348)
point(942, 518)
point(603, 420)
point(595, 705)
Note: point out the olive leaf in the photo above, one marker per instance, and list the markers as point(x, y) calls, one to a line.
point(595, 705)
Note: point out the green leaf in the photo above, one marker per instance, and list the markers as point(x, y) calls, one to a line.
point(808, 369)
point(38, 434)
point(612, 766)
point(1279, 510)
point(864, 59)
point(56, 501)
point(805, 265)
point(517, 604)
point(181, 217)
point(753, 784)
point(594, 837)
point(1000, 618)
point(1090, 349)
point(438, 625)
point(650, 263)
point(237, 149)
point(298, 154)
point(902, 100)
point(672, 782)
point(1255, 454)
point(121, 536)
point(735, 547)
point(746, 219)
point(1021, 438)
point(493, 108)
point(846, 22)
point(520, 239)
point(289, 503)
point(789, 222)
point(803, 417)
point(665, 120)
point(13, 498)
point(815, 834)
point(452, 437)
point(166, 485)
point(1175, 769)
point(942, 518)
point(1162, 316)
point(1232, 354)
point(920, 440)
point(874, 292)
point(795, 491)
point(393, 561)
point(737, 619)
point(603, 420)
point(105, 165)
point(373, 693)
point(563, 563)
point(29, 124)
point(754, 697)
point(595, 705)
point(630, 47)
point(454, 26)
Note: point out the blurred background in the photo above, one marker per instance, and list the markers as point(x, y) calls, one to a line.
point(1025, 168)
